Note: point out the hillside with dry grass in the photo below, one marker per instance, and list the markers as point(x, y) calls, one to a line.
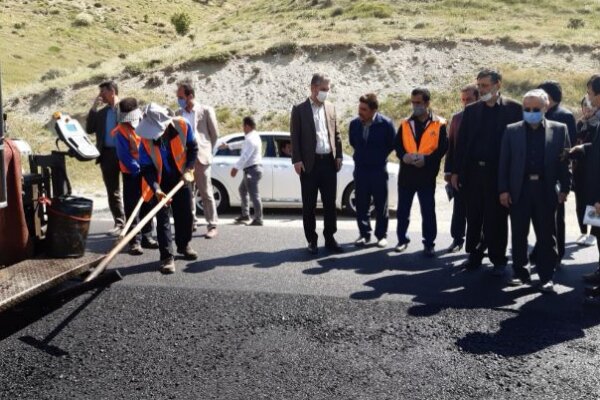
point(255, 56)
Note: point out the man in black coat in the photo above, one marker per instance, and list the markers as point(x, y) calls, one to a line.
point(532, 163)
point(475, 170)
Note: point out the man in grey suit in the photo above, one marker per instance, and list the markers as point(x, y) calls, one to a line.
point(317, 157)
point(533, 180)
point(204, 121)
point(101, 121)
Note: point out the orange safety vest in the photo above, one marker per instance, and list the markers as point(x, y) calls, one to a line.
point(134, 140)
point(429, 140)
point(178, 150)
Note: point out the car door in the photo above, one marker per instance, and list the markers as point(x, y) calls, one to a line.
point(286, 184)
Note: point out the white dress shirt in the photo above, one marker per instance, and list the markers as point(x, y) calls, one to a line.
point(251, 150)
point(323, 145)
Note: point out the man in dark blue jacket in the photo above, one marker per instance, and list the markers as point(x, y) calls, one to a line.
point(372, 138)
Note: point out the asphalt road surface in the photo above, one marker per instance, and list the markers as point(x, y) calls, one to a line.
point(256, 317)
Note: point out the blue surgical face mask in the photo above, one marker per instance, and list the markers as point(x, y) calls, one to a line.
point(182, 102)
point(533, 118)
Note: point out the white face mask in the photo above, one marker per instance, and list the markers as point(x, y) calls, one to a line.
point(322, 96)
point(135, 124)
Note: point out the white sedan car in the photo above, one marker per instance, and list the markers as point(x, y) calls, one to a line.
point(280, 185)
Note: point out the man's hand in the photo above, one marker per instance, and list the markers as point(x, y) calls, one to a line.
point(338, 164)
point(454, 182)
point(419, 161)
point(448, 178)
point(188, 176)
point(223, 146)
point(97, 102)
point(505, 199)
point(234, 172)
point(299, 167)
point(408, 159)
point(597, 207)
point(160, 195)
point(562, 197)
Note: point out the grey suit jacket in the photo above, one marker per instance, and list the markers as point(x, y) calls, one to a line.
point(206, 130)
point(304, 134)
point(512, 160)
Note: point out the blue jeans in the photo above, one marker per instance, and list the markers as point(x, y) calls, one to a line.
point(371, 185)
point(426, 197)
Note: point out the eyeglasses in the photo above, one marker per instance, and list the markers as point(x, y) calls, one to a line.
point(532, 109)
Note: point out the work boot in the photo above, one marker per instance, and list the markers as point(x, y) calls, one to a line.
point(149, 243)
point(429, 251)
point(135, 250)
point(167, 266)
point(188, 253)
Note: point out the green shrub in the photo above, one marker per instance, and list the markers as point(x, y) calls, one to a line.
point(182, 22)
point(83, 19)
point(575, 23)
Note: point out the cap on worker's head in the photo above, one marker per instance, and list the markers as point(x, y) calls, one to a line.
point(129, 111)
point(155, 122)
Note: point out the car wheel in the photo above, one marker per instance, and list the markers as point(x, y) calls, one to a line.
point(349, 201)
point(221, 199)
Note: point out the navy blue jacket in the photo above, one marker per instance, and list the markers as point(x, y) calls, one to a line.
point(372, 154)
point(561, 114)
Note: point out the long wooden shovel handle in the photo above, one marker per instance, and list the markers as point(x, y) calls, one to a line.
point(109, 257)
point(132, 217)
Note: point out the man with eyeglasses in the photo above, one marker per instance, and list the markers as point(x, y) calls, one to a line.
point(533, 179)
point(475, 171)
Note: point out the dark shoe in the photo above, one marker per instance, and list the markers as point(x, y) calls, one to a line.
point(546, 287)
point(242, 219)
point(333, 246)
point(593, 278)
point(188, 253)
point(211, 233)
point(521, 277)
point(455, 247)
point(471, 264)
point(499, 270)
point(167, 266)
point(312, 248)
point(592, 291)
point(401, 247)
point(256, 222)
point(149, 244)
point(135, 250)
point(429, 252)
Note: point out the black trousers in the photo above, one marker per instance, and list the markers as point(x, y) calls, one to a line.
point(322, 179)
point(534, 207)
point(458, 226)
point(111, 175)
point(132, 191)
point(486, 218)
point(181, 208)
point(371, 185)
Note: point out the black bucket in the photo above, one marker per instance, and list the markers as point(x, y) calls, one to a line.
point(68, 225)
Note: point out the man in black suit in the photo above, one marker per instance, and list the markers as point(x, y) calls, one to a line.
point(475, 170)
point(532, 162)
point(317, 157)
point(102, 121)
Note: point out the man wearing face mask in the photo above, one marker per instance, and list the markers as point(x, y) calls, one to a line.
point(587, 127)
point(127, 145)
point(532, 163)
point(420, 144)
point(204, 121)
point(475, 171)
point(317, 157)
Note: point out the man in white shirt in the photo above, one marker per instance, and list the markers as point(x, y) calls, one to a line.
point(250, 163)
point(204, 121)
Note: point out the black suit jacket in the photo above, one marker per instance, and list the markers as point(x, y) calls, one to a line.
point(511, 172)
point(96, 124)
point(304, 134)
point(470, 128)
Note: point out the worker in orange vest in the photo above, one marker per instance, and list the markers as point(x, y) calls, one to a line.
point(168, 152)
point(127, 144)
point(420, 145)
